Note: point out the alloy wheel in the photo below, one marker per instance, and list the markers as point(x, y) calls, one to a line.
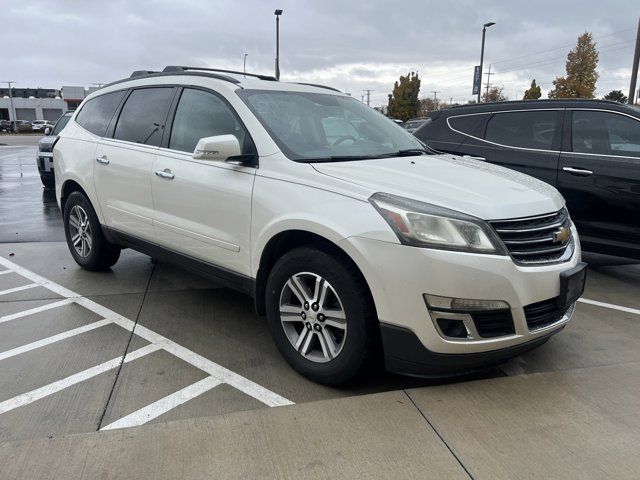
point(80, 231)
point(313, 317)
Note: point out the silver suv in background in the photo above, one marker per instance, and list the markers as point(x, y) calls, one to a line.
point(45, 150)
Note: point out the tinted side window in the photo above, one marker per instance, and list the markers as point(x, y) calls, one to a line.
point(533, 129)
point(469, 124)
point(97, 112)
point(201, 114)
point(143, 116)
point(605, 133)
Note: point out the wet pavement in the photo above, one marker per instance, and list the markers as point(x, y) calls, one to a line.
point(28, 211)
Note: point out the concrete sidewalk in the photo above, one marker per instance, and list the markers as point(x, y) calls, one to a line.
point(561, 424)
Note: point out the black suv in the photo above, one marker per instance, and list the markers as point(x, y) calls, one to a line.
point(587, 149)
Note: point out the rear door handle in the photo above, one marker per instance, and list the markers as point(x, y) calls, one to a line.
point(103, 159)
point(166, 173)
point(577, 171)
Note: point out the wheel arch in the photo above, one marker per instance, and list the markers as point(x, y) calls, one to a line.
point(70, 185)
point(287, 240)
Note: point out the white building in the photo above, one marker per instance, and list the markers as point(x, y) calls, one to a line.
point(32, 108)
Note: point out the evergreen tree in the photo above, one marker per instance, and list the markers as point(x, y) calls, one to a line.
point(616, 96)
point(533, 93)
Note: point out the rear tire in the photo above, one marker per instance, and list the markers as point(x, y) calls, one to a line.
point(330, 338)
point(87, 244)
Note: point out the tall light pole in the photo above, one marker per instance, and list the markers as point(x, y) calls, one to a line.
point(634, 69)
point(244, 64)
point(13, 110)
point(484, 31)
point(277, 13)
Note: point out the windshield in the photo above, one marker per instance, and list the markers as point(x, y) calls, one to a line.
point(61, 123)
point(310, 127)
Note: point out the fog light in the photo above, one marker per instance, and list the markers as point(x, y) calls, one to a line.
point(463, 304)
point(452, 328)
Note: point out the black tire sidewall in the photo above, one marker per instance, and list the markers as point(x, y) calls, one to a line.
point(355, 301)
point(102, 254)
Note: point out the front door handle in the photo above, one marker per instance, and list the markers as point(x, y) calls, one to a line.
point(166, 173)
point(103, 160)
point(577, 171)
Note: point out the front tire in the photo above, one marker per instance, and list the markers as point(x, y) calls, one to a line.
point(321, 316)
point(87, 244)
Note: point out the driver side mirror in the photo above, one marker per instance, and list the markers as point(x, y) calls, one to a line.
point(223, 148)
point(47, 131)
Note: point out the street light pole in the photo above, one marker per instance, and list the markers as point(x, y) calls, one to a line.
point(244, 64)
point(484, 31)
point(634, 69)
point(13, 110)
point(277, 13)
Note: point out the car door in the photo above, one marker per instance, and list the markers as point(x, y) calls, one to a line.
point(122, 174)
point(524, 140)
point(599, 175)
point(203, 207)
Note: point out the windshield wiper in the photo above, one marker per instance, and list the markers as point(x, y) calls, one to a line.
point(409, 152)
point(342, 158)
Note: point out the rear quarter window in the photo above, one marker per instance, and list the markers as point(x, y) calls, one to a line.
point(472, 125)
point(97, 112)
point(531, 129)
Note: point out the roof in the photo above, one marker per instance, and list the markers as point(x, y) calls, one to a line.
point(240, 79)
point(545, 103)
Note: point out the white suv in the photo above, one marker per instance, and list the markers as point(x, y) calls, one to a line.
point(352, 237)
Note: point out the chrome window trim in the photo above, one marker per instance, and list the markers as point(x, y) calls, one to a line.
point(505, 111)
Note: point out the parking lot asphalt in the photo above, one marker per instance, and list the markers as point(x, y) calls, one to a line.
point(148, 343)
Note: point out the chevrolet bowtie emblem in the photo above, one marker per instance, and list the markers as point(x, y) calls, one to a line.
point(561, 235)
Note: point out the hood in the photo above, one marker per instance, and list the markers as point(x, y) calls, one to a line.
point(470, 186)
point(46, 140)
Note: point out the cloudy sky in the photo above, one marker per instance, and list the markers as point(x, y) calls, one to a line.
point(351, 45)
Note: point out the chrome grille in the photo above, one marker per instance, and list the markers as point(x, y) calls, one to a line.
point(538, 239)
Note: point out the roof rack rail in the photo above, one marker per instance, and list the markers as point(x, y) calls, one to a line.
point(318, 86)
point(179, 68)
point(141, 73)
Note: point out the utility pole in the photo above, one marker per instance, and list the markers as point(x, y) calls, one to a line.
point(488, 74)
point(450, 101)
point(13, 110)
point(244, 64)
point(435, 97)
point(368, 95)
point(277, 13)
point(634, 70)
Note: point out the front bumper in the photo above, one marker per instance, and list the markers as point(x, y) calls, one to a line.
point(399, 275)
point(405, 354)
point(45, 163)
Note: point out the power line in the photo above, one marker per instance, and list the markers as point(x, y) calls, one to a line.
point(453, 74)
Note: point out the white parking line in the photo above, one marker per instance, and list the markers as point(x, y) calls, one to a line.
point(30, 397)
point(54, 338)
point(35, 310)
point(218, 372)
point(18, 289)
point(4, 272)
point(610, 305)
point(165, 404)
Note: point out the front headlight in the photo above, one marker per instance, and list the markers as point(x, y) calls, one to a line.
point(423, 225)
